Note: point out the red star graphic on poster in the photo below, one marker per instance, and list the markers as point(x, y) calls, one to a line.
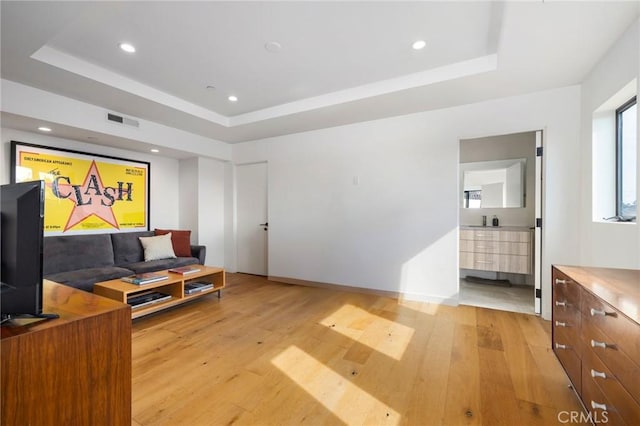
point(89, 201)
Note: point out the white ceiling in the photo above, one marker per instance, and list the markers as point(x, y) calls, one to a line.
point(340, 62)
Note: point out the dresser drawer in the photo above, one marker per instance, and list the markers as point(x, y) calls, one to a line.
point(621, 401)
point(565, 338)
point(566, 308)
point(478, 235)
point(601, 409)
point(619, 364)
point(495, 262)
point(481, 261)
point(568, 319)
point(495, 247)
point(566, 290)
point(494, 235)
point(616, 326)
point(567, 348)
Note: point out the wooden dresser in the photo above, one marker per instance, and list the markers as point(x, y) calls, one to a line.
point(73, 370)
point(496, 249)
point(596, 337)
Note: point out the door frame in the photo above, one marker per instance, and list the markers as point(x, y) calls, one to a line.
point(538, 213)
point(537, 248)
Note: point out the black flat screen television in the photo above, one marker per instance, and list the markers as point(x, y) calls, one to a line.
point(22, 230)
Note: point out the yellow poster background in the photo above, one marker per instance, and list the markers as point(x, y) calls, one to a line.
point(85, 193)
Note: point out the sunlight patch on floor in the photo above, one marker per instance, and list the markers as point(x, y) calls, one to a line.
point(336, 393)
point(380, 334)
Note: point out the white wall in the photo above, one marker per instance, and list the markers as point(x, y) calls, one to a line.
point(606, 244)
point(229, 218)
point(163, 171)
point(211, 211)
point(188, 200)
point(375, 204)
point(202, 198)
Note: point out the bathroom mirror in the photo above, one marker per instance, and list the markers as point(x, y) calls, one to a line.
point(493, 184)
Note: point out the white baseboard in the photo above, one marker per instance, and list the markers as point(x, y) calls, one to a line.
point(438, 300)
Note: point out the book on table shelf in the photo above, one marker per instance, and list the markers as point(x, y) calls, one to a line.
point(146, 278)
point(196, 286)
point(185, 270)
point(139, 300)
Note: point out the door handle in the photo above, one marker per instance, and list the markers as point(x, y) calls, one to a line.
point(266, 225)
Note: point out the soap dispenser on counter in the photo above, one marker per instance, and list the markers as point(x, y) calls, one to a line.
point(495, 221)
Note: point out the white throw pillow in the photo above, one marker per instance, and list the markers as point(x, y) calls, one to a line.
point(158, 247)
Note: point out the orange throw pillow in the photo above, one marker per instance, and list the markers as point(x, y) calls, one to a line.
point(181, 241)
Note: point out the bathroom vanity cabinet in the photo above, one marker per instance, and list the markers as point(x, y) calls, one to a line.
point(499, 249)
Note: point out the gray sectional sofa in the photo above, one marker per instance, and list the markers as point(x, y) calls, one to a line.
point(80, 261)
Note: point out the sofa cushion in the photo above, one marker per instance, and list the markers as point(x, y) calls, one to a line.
point(157, 265)
point(181, 241)
point(84, 279)
point(158, 247)
point(73, 252)
point(127, 247)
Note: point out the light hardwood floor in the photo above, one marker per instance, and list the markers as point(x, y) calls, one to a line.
point(277, 354)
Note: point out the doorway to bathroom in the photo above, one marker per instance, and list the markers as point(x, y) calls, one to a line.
point(500, 220)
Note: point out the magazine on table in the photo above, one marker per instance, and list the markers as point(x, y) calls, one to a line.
point(185, 270)
point(146, 278)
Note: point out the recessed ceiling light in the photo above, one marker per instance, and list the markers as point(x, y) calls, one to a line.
point(155, 150)
point(44, 129)
point(127, 47)
point(273, 46)
point(233, 98)
point(420, 44)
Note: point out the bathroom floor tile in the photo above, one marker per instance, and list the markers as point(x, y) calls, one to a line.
point(515, 298)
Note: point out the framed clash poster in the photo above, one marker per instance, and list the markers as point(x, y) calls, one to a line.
point(85, 193)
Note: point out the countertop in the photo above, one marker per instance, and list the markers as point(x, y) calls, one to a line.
point(496, 228)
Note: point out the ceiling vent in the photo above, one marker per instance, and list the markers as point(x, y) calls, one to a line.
point(115, 118)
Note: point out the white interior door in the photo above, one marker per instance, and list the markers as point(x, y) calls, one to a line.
point(537, 254)
point(251, 216)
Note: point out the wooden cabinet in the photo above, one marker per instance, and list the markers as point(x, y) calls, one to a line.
point(74, 370)
point(496, 249)
point(596, 337)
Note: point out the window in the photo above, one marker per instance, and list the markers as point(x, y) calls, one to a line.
point(473, 199)
point(626, 158)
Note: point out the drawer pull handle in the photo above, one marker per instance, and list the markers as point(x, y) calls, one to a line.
point(595, 373)
point(484, 261)
point(561, 303)
point(596, 344)
point(559, 346)
point(595, 312)
point(597, 406)
point(561, 324)
point(559, 281)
